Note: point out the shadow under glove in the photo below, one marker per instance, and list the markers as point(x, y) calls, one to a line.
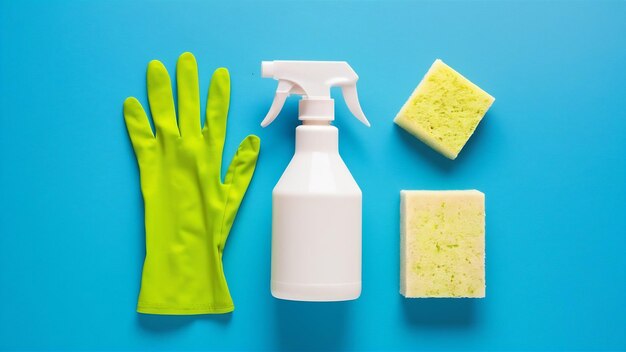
point(189, 211)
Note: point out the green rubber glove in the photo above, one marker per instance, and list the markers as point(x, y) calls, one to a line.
point(189, 211)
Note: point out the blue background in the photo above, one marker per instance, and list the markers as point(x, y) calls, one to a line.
point(549, 155)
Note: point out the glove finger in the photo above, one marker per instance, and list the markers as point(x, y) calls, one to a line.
point(214, 130)
point(188, 96)
point(137, 124)
point(238, 178)
point(161, 100)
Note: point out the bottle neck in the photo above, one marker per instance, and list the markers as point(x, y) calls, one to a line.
point(320, 110)
point(317, 138)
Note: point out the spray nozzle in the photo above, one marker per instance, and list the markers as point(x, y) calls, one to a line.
point(312, 80)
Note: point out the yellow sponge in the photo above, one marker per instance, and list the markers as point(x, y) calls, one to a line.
point(444, 109)
point(442, 244)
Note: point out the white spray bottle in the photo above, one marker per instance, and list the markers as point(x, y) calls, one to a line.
point(316, 204)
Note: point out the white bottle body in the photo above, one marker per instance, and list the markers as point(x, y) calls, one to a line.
point(316, 223)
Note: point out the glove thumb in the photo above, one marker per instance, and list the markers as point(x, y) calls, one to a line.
point(237, 179)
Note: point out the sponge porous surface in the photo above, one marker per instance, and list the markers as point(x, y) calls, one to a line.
point(442, 244)
point(444, 109)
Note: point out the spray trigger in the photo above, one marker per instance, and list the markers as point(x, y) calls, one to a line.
point(313, 81)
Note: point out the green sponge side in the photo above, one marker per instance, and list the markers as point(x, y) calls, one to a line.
point(444, 109)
